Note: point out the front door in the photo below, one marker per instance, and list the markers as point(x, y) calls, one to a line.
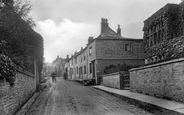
point(93, 66)
point(79, 73)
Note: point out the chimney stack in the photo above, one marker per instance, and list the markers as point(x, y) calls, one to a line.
point(104, 25)
point(119, 30)
point(90, 39)
point(67, 57)
point(81, 48)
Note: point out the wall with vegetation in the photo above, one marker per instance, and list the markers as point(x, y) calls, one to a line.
point(165, 80)
point(12, 97)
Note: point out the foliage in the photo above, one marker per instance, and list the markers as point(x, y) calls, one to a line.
point(170, 49)
point(7, 66)
point(23, 44)
point(23, 8)
point(113, 68)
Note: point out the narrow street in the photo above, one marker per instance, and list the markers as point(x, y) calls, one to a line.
point(71, 98)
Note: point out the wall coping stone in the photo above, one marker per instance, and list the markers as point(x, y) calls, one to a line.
point(26, 73)
point(157, 64)
point(119, 58)
point(106, 75)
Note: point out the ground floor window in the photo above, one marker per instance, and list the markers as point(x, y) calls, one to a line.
point(84, 69)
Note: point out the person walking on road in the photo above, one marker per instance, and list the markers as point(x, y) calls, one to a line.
point(53, 77)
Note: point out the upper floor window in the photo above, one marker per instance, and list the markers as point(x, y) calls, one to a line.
point(76, 60)
point(127, 47)
point(84, 57)
point(90, 67)
point(90, 51)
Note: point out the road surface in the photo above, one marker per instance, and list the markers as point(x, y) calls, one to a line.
point(71, 98)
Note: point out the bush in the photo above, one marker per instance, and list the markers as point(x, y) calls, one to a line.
point(20, 45)
point(7, 69)
point(23, 44)
point(113, 68)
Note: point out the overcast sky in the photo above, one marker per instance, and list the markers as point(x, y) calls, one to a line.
point(66, 24)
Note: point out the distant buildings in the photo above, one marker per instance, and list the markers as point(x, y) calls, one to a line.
point(59, 64)
point(107, 49)
point(47, 69)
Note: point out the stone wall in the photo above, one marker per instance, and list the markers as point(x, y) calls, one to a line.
point(112, 80)
point(115, 49)
point(165, 80)
point(103, 63)
point(12, 98)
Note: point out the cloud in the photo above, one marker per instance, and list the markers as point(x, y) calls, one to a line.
point(64, 38)
point(67, 24)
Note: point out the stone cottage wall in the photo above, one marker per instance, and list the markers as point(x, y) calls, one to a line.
point(115, 49)
point(165, 80)
point(12, 98)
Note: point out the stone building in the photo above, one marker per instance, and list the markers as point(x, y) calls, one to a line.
point(165, 24)
point(107, 49)
point(164, 45)
point(59, 64)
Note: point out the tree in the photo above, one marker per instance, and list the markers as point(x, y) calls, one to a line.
point(22, 8)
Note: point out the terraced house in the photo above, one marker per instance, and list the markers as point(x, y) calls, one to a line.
point(107, 49)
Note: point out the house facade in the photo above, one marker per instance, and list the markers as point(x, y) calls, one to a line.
point(164, 25)
point(107, 49)
point(164, 48)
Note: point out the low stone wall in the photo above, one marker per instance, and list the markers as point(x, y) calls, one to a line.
point(112, 80)
point(12, 98)
point(165, 80)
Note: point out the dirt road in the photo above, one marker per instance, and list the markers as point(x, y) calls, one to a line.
point(70, 98)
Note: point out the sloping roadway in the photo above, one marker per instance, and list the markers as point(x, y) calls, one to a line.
point(70, 98)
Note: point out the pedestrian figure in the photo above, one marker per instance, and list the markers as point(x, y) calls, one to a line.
point(53, 77)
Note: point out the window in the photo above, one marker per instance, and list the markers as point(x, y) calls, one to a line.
point(76, 60)
point(127, 47)
point(90, 65)
point(81, 71)
point(84, 69)
point(77, 70)
point(81, 58)
point(90, 51)
point(84, 57)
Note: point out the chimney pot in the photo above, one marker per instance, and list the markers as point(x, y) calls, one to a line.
point(119, 30)
point(90, 39)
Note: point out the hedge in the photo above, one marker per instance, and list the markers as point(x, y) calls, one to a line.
point(23, 44)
